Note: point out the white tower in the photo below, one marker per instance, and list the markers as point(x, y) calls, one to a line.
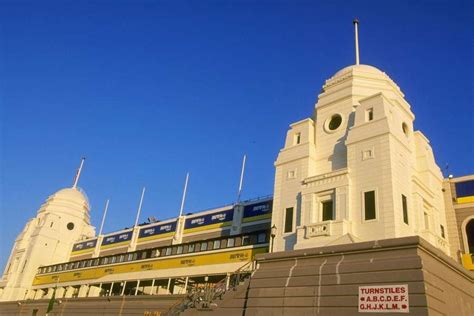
point(356, 170)
point(46, 239)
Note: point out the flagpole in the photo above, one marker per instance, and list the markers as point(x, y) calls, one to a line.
point(241, 178)
point(78, 174)
point(184, 195)
point(103, 216)
point(140, 206)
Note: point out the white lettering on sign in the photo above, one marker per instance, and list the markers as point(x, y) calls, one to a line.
point(198, 221)
point(123, 236)
point(166, 227)
point(260, 207)
point(219, 217)
point(384, 299)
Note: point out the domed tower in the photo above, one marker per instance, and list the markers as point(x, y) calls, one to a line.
point(356, 170)
point(46, 239)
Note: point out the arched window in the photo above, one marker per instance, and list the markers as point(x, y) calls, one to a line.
point(470, 235)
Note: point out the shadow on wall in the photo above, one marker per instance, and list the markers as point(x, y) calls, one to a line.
point(339, 155)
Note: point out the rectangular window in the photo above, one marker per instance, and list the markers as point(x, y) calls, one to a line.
point(217, 244)
point(230, 242)
point(179, 250)
point(369, 205)
point(288, 220)
point(426, 217)
point(297, 139)
point(405, 209)
point(191, 248)
point(261, 238)
point(328, 210)
point(168, 251)
point(245, 240)
point(369, 114)
point(204, 246)
point(442, 231)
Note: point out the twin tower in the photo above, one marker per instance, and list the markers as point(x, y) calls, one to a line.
point(355, 171)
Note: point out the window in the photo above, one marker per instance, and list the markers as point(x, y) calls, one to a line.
point(442, 231)
point(405, 209)
point(121, 258)
point(230, 242)
point(168, 251)
point(405, 128)
point(104, 261)
point(179, 250)
point(328, 210)
point(191, 248)
point(426, 218)
point(335, 122)
point(217, 244)
point(369, 205)
point(288, 220)
point(369, 114)
point(297, 139)
point(245, 240)
point(261, 238)
point(130, 257)
point(204, 246)
point(113, 259)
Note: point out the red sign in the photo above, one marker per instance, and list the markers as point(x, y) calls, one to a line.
point(384, 299)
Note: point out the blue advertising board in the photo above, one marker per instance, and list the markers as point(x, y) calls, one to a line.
point(117, 238)
point(257, 211)
point(157, 231)
point(209, 221)
point(84, 245)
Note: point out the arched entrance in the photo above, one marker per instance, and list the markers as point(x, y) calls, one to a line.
point(469, 231)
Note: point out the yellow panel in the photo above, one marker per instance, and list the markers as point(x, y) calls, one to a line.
point(81, 252)
point(155, 237)
point(256, 218)
point(116, 245)
point(467, 261)
point(466, 199)
point(243, 255)
point(207, 227)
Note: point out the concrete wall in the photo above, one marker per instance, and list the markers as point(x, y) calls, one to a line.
point(326, 280)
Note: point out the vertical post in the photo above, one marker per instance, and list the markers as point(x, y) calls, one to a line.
point(356, 27)
point(111, 288)
point(186, 285)
point(241, 178)
point(168, 286)
point(103, 217)
point(123, 288)
point(153, 287)
point(184, 195)
point(78, 173)
point(140, 207)
point(136, 289)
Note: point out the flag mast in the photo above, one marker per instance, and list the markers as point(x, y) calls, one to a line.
point(103, 216)
point(241, 179)
point(140, 207)
point(78, 173)
point(356, 30)
point(184, 195)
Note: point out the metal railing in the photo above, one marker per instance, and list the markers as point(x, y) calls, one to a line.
point(206, 297)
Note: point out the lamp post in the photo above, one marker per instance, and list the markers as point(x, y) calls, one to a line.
point(272, 235)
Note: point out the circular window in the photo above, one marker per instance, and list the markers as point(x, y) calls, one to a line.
point(70, 226)
point(333, 123)
point(405, 128)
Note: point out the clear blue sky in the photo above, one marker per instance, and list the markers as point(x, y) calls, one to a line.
point(148, 90)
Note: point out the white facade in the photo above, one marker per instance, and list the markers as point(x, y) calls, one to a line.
point(46, 239)
point(356, 170)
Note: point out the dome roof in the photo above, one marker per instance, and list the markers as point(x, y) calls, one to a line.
point(362, 68)
point(68, 200)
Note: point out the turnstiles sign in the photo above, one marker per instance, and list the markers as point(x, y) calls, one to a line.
point(384, 299)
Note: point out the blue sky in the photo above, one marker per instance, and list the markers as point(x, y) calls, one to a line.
point(148, 90)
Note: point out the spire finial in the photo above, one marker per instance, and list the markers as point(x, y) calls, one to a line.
point(78, 173)
point(356, 29)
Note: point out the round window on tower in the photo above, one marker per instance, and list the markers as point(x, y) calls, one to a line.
point(70, 226)
point(333, 123)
